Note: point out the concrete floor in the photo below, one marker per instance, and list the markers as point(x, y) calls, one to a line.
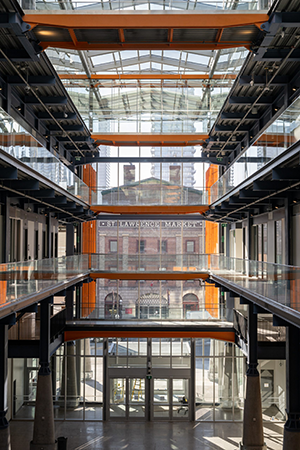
point(147, 435)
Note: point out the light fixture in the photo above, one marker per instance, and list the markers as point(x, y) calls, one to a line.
point(294, 89)
point(282, 34)
point(251, 83)
point(19, 108)
point(65, 115)
point(275, 109)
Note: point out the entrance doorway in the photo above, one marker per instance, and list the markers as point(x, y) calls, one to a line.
point(144, 399)
point(127, 398)
point(170, 399)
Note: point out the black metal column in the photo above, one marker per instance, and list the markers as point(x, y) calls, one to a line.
point(249, 236)
point(45, 336)
point(4, 426)
point(291, 439)
point(227, 244)
point(48, 240)
point(6, 228)
point(288, 257)
point(69, 302)
point(69, 239)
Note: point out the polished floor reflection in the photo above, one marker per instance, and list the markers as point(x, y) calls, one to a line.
point(147, 435)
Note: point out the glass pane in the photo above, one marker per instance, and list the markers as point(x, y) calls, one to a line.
point(93, 388)
point(136, 397)
point(180, 398)
point(161, 398)
point(204, 388)
point(117, 397)
point(273, 388)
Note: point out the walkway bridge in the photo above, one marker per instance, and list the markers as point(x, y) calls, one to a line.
point(274, 288)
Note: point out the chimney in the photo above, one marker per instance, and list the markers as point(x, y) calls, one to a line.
point(175, 174)
point(129, 174)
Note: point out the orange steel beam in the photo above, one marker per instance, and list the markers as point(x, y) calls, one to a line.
point(149, 139)
point(180, 46)
point(145, 76)
point(149, 209)
point(149, 275)
point(132, 20)
point(96, 19)
point(228, 336)
point(219, 35)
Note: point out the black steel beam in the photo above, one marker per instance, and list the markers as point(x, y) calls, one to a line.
point(224, 128)
point(270, 185)
point(58, 100)
point(60, 115)
point(278, 54)
point(250, 100)
point(8, 173)
point(57, 200)
point(43, 193)
point(34, 80)
point(78, 160)
point(85, 139)
point(286, 173)
point(238, 115)
point(67, 128)
point(261, 81)
point(249, 194)
point(22, 185)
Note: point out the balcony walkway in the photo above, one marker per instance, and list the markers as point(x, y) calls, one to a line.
point(274, 287)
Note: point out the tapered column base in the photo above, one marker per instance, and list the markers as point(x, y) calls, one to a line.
point(5, 438)
point(43, 431)
point(291, 434)
point(253, 436)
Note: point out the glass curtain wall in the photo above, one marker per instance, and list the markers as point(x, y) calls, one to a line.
point(79, 388)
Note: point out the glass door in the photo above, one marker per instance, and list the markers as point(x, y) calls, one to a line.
point(127, 398)
point(170, 399)
point(117, 398)
point(136, 401)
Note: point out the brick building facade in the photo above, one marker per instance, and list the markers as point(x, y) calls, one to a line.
point(150, 245)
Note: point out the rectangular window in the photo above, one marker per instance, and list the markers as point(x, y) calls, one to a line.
point(140, 246)
point(278, 242)
point(190, 246)
point(162, 246)
point(113, 246)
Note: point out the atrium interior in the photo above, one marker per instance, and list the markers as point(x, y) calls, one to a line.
point(149, 224)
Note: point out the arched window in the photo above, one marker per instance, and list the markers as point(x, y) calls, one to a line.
point(190, 302)
point(113, 306)
point(152, 306)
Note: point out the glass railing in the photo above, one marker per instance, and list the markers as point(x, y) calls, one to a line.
point(149, 263)
point(15, 141)
point(151, 191)
point(161, 298)
point(22, 279)
point(152, 5)
point(277, 282)
point(278, 137)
